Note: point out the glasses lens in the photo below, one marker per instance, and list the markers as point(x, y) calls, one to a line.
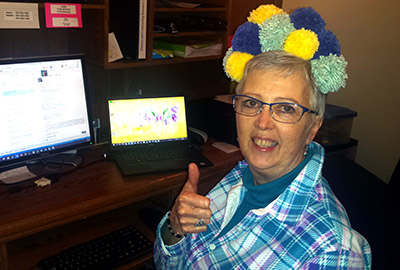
point(246, 105)
point(286, 112)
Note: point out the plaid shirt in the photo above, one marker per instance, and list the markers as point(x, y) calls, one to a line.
point(306, 227)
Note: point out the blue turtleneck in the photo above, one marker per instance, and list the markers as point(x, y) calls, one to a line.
point(259, 196)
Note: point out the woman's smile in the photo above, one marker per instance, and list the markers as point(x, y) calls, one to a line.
point(265, 145)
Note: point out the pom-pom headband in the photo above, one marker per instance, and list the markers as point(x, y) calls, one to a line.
point(301, 33)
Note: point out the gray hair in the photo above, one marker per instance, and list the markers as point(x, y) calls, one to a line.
point(288, 64)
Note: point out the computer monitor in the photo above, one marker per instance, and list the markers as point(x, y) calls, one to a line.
point(44, 110)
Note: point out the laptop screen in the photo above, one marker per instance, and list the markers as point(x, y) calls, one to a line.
point(147, 120)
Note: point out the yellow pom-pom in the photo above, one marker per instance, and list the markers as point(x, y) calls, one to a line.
point(235, 65)
point(263, 12)
point(302, 43)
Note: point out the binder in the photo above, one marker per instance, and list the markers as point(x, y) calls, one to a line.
point(128, 21)
point(142, 29)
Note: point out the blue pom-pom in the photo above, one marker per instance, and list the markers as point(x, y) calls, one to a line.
point(328, 44)
point(246, 39)
point(309, 19)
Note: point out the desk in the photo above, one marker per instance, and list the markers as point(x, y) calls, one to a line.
point(84, 204)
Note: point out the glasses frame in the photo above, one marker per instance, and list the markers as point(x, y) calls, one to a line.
point(305, 109)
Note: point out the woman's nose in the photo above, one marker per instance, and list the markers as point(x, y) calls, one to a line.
point(264, 118)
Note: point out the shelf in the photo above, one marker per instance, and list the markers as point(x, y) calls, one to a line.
point(181, 10)
point(89, 6)
point(92, 39)
point(58, 239)
point(216, 9)
point(188, 34)
point(154, 62)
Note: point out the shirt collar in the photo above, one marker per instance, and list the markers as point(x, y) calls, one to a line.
point(261, 195)
point(290, 205)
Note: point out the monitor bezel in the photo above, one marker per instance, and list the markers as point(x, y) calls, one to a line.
point(14, 163)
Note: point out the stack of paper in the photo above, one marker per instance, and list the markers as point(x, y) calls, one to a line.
point(189, 48)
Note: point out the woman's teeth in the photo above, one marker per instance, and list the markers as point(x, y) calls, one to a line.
point(264, 143)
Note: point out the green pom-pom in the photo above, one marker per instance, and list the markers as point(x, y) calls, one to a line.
point(227, 54)
point(274, 31)
point(329, 72)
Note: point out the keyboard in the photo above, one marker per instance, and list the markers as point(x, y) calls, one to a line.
point(106, 252)
point(152, 155)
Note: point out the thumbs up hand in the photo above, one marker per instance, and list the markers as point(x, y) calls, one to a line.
point(191, 212)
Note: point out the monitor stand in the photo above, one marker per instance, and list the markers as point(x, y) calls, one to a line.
point(60, 163)
point(55, 162)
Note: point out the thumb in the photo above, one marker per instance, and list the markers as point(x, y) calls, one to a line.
point(193, 178)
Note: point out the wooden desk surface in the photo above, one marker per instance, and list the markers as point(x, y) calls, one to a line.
point(91, 190)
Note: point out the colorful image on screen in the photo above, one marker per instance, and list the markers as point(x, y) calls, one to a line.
point(146, 120)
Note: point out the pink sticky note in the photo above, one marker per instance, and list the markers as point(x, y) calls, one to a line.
point(60, 15)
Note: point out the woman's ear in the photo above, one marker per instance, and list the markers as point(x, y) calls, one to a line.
point(317, 123)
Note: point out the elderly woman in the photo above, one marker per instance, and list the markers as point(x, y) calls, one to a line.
point(274, 210)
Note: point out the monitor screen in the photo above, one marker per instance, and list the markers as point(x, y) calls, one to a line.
point(147, 120)
point(43, 108)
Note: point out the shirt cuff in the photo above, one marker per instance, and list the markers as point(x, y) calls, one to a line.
point(167, 249)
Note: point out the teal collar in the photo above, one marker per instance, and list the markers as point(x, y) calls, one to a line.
point(261, 195)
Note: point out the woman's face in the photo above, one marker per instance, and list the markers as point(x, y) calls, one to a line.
point(271, 148)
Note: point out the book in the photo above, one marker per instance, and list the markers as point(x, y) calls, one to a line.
point(128, 22)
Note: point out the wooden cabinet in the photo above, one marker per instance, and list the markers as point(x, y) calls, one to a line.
point(92, 39)
point(230, 14)
point(97, 27)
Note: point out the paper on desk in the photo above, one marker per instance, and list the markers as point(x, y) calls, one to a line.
point(19, 15)
point(226, 147)
point(42, 182)
point(16, 175)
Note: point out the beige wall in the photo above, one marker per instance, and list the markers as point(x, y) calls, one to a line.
point(369, 33)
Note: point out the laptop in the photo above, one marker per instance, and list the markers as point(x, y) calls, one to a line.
point(151, 135)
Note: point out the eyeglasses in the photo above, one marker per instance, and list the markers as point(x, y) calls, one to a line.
point(283, 112)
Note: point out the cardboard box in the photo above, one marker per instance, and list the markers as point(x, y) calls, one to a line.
point(189, 48)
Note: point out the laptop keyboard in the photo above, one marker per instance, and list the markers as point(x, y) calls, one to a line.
point(106, 252)
point(152, 155)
